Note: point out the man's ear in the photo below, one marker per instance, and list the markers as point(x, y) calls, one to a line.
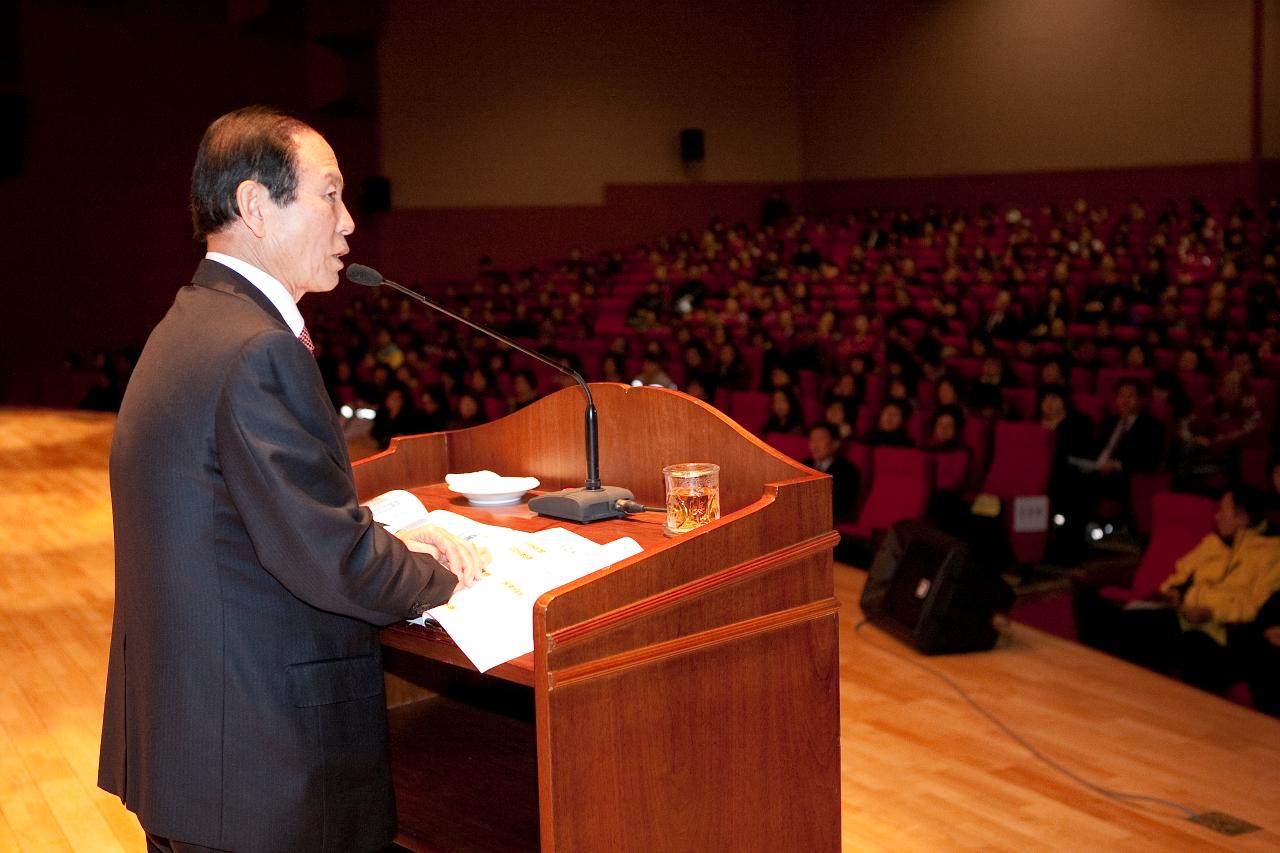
point(250, 198)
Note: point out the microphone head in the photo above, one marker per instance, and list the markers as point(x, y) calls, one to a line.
point(368, 276)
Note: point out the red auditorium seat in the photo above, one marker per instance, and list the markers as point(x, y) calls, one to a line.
point(494, 408)
point(1181, 337)
point(753, 358)
point(1092, 405)
point(916, 425)
point(1143, 488)
point(1083, 380)
point(860, 455)
point(1197, 385)
point(902, 480)
point(1026, 372)
point(1165, 358)
point(1264, 391)
point(966, 368)
point(812, 407)
point(977, 435)
point(795, 446)
point(1111, 357)
point(1020, 402)
point(810, 383)
point(1178, 522)
point(1023, 457)
point(750, 408)
point(952, 470)
point(1270, 365)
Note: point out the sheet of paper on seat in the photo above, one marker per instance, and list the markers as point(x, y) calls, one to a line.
point(492, 622)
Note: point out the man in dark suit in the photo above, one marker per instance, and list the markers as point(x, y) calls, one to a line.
point(244, 707)
point(846, 480)
point(1129, 441)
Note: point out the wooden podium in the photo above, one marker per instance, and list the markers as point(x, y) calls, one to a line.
point(685, 699)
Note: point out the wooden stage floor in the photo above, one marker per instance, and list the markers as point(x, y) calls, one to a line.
point(921, 769)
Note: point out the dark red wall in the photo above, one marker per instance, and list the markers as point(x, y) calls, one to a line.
point(95, 225)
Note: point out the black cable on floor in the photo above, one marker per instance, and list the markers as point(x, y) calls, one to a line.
point(1019, 739)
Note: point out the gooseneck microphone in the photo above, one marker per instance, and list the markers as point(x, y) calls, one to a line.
point(592, 502)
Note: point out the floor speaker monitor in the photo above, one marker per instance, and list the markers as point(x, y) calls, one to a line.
point(925, 588)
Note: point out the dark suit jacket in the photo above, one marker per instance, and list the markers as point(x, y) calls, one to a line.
point(244, 706)
point(846, 482)
point(1140, 449)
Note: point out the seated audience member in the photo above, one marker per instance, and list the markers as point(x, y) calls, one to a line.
point(613, 368)
point(1002, 322)
point(648, 308)
point(393, 418)
point(891, 427)
point(1135, 357)
point(779, 377)
point(849, 390)
point(433, 410)
point(1073, 431)
point(1167, 388)
point(386, 351)
point(785, 413)
point(1129, 441)
point(986, 395)
point(1210, 440)
point(1258, 642)
point(846, 480)
point(524, 389)
point(949, 391)
point(1259, 645)
point(836, 416)
point(899, 388)
point(945, 431)
point(1221, 582)
point(696, 366)
point(342, 388)
point(1073, 442)
point(954, 461)
point(696, 387)
point(468, 412)
point(1055, 308)
point(731, 371)
point(653, 373)
point(1054, 371)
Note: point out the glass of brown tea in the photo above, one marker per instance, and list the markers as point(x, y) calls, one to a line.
point(693, 495)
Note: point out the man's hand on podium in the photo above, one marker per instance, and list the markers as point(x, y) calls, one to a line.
point(459, 556)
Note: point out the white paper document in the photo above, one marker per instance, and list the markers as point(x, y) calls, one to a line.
point(492, 622)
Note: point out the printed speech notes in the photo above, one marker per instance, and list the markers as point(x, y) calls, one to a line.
point(492, 621)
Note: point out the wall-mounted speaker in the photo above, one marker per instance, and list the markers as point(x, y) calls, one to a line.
point(692, 145)
point(925, 588)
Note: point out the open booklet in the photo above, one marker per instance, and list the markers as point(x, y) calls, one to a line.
point(492, 622)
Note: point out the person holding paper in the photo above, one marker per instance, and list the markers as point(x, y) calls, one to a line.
point(244, 703)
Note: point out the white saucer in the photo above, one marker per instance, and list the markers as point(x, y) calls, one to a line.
point(485, 488)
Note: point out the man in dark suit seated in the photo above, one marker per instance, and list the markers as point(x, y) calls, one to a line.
point(846, 480)
point(1130, 441)
point(244, 705)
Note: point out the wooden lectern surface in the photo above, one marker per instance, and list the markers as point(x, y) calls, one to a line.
point(919, 770)
point(682, 699)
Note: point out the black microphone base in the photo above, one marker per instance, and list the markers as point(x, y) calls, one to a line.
point(582, 505)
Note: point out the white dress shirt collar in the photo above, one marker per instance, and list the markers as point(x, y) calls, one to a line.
point(269, 285)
